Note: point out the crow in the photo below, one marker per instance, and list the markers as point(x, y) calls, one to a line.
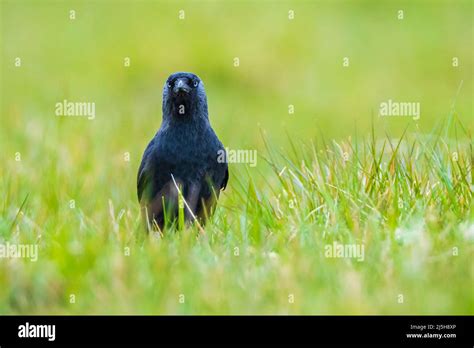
point(185, 158)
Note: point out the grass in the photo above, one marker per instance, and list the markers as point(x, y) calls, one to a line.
point(407, 200)
point(330, 172)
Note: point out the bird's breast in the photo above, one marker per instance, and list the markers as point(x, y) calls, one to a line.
point(188, 159)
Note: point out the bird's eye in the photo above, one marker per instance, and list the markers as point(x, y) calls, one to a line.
point(196, 83)
point(169, 84)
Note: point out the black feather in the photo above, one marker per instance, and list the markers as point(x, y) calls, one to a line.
point(186, 148)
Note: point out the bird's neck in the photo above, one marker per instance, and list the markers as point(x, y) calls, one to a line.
point(185, 123)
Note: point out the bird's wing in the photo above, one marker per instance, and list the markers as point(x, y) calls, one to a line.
point(226, 179)
point(141, 180)
point(143, 171)
point(221, 166)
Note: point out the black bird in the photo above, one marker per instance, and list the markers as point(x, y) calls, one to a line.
point(184, 156)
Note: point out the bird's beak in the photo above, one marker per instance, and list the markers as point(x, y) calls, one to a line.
point(181, 87)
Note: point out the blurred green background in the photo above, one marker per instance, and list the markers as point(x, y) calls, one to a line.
point(283, 62)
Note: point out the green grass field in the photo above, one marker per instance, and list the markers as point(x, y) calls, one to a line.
point(332, 171)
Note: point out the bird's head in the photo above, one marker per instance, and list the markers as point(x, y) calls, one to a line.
point(184, 97)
